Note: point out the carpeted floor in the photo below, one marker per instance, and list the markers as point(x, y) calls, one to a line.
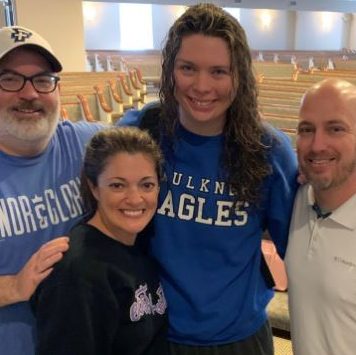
point(282, 346)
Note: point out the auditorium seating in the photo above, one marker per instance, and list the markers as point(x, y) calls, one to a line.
point(104, 95)
point(274, 70)
point(148, 62)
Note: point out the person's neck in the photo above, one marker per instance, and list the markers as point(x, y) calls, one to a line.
point(118, 235)
point(21, 148)
point(331, 199)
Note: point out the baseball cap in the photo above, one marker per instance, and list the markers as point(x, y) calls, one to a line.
point(15, 36)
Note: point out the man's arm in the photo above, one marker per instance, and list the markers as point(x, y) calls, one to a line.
point(20, 287)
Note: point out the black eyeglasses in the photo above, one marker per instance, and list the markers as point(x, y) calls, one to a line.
point(42, 83)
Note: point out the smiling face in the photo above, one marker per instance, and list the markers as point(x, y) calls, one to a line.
point(126, 193)
point(26, 117)
point(203, 83)
point(326, 142)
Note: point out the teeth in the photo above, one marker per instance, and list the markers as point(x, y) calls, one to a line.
point(132, 213)
point(201, 103)
point(320, 161)
point(27, 110)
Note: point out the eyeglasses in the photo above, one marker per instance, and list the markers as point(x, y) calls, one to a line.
point(42, 83)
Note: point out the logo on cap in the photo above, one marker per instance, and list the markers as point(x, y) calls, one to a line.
point(20, 35)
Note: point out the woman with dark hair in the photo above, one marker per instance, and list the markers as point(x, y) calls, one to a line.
point(228, 177)
point(105, 297)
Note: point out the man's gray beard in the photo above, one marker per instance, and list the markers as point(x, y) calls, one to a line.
point(28, 130)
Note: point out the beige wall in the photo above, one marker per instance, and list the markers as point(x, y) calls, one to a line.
point(61, 23)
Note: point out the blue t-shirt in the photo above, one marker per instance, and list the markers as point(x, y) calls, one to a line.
point(39, 200)
point(210, 260)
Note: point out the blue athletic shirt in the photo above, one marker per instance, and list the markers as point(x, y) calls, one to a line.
point(210, 261)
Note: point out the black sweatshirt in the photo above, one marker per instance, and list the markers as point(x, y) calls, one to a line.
point(102, 298)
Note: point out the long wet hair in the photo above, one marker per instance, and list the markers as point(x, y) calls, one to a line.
point(104, 145)
point(244, 160)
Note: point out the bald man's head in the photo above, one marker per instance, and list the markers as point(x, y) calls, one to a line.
point(326, 142)
point(335, 89)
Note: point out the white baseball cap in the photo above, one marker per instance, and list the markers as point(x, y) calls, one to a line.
point(16, 36)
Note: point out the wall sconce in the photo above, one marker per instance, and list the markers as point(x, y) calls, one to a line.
point(266, 20)
point(89, 11)
point(326, 21)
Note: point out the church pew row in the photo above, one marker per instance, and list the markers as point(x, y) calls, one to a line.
point(127, 85)
point(99, 96)
point(274, 70)
point(148, 62)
